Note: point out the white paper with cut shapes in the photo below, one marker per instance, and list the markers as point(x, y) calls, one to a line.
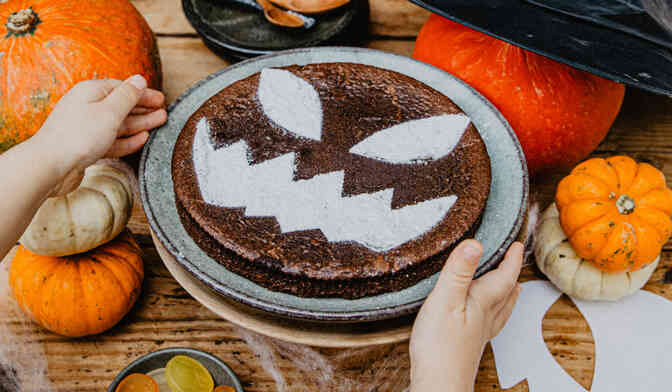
point(632, 343)
point(520, 350)
point(290, 102)
point(267, 189)
point(418, 140)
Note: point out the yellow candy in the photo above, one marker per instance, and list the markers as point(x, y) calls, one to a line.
point(185, 374)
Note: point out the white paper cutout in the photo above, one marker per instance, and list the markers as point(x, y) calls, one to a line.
point(417, 140)
point(632, 343)
point(290, 102)
point(520, 350)
point(227, 179)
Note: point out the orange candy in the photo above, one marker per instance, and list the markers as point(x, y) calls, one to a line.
point(224, 388)
point(137, 382)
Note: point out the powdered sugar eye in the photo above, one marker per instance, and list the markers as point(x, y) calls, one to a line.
point(417, 140)
point(291, 103)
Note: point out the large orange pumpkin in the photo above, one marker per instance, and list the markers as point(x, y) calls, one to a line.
point(48, 46)
point(559, 113)
point(616, 212)
point(79, 295)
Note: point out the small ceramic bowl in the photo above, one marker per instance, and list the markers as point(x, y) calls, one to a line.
point(221, 372)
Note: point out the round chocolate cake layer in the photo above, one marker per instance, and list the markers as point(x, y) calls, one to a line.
point(331, 171)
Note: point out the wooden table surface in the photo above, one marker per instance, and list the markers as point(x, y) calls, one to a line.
point(167, 316)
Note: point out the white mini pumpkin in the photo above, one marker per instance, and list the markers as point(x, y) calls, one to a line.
point(89, 216)
point(575, 276)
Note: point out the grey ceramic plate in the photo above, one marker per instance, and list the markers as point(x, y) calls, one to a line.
point(221, 372)
point(500, 224)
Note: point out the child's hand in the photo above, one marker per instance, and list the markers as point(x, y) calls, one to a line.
point(459, 317)
point(101, 118)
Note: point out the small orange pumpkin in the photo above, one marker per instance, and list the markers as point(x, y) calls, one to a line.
point(616, 212)
point(79, 295)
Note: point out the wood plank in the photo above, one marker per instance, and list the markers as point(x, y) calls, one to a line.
point(402, 47)
point(394, 18)
point(644, 125)
point(165, 17)
point(175, 53)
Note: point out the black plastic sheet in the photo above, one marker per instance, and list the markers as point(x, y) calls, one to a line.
point(615, 39)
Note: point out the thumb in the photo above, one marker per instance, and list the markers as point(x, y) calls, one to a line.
point(457, 275)
point(123, 98)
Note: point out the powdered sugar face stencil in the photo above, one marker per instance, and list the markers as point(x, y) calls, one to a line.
point(227, 178)
point(631, 343)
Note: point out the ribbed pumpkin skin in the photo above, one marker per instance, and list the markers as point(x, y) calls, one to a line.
point(79, 295)
point(74, 40)
point(94, 213)
point(616, 212)
point(559, 113)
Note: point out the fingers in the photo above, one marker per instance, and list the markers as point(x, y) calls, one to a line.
point(94, 90)
point(151, 99)
point(506, 310)
point(456, 278)
point(509, 269)
point(495, 286)
point(142, 110)
point(98, 89)
point(142, 122)
point(127, 146)
point(122, 99)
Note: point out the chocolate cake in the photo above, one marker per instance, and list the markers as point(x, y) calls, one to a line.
point(331, 179)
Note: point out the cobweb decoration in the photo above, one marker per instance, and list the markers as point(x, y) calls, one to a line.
point(23, 364)
point(376, 368)
point(527, 232)
point(661, 11)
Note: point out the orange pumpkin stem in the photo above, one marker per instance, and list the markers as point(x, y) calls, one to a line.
point(22, 21)
point(625, 205)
